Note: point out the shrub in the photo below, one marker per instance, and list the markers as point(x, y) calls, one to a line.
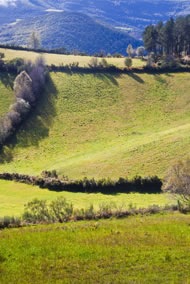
point(140, 51)
point(22, 107)
point(104, 63)
point(36, 211)
point(128, 62)
point(88, 213)
point(49, 174)
point(8, 222)
point(169, 62)
point(94, 63)
point(106, 210)
point(16, 64)
point(117, 55)
point(14, 117)
point(60, 210)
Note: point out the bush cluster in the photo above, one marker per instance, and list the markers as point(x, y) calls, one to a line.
point(51, 181)
point(60, 210)
point(27, 87)
point(38, 211)
point(10, 222)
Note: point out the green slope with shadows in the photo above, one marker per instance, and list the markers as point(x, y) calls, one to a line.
point(103, 125)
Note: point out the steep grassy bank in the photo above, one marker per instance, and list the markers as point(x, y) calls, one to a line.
point(134, 250)
point(101, 125)
point(6, 92)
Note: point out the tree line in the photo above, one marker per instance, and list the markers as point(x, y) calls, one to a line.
point(170, 38)
point(28, 86)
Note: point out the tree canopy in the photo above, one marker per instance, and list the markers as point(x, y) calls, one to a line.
point(171, 38)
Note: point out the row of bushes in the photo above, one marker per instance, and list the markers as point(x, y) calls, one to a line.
point(60, 211)
point(28, 86)
point(105, 186)
point(74, 67)
point(17, 65)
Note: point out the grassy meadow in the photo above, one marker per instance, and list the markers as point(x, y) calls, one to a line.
point(13, 197)
point(58, 59)
point(97, 125)
point(152, 249)
point(103, 125)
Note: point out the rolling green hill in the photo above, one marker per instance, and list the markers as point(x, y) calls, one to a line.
point(101, 125)
point(71, 30)
point(129, 15)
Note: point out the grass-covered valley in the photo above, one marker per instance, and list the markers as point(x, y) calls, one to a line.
point(104, 125)
point(94, 124)
point(94, 149)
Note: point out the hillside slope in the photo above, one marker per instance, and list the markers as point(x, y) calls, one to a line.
point(71, 30)
point(105, 126)
point(131, 15)
point(6, 92)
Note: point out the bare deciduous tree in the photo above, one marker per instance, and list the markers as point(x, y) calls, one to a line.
point(34, 41)
point(23, 87)
point(177, 181)
point(130, 50)
point(140, 51)
point(37, 74)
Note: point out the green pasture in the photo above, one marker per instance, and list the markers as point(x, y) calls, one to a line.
point(13, 197)
point(59, 59)
point(103, 125)
point(152, 249)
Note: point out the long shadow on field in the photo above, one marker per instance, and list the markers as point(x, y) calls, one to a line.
point(102, 76)
point(107, 76)
point(7, 79)
point(135, 77)
point(159, 79)
point(36, 127)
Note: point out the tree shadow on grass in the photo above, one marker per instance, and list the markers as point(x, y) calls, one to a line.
point(159, 79)
point(135, 77)
point(109, 77)
point(7, 79)
point(36, 127)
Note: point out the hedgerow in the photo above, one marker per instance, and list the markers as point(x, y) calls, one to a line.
point(28, 86)
point(51, 181)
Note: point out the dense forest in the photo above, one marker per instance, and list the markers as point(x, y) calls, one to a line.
point(171, 38)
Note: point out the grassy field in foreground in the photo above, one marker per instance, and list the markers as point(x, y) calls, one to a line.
point(103, 125)
point(58, 59)
point(13, 196)
point(134, 250)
